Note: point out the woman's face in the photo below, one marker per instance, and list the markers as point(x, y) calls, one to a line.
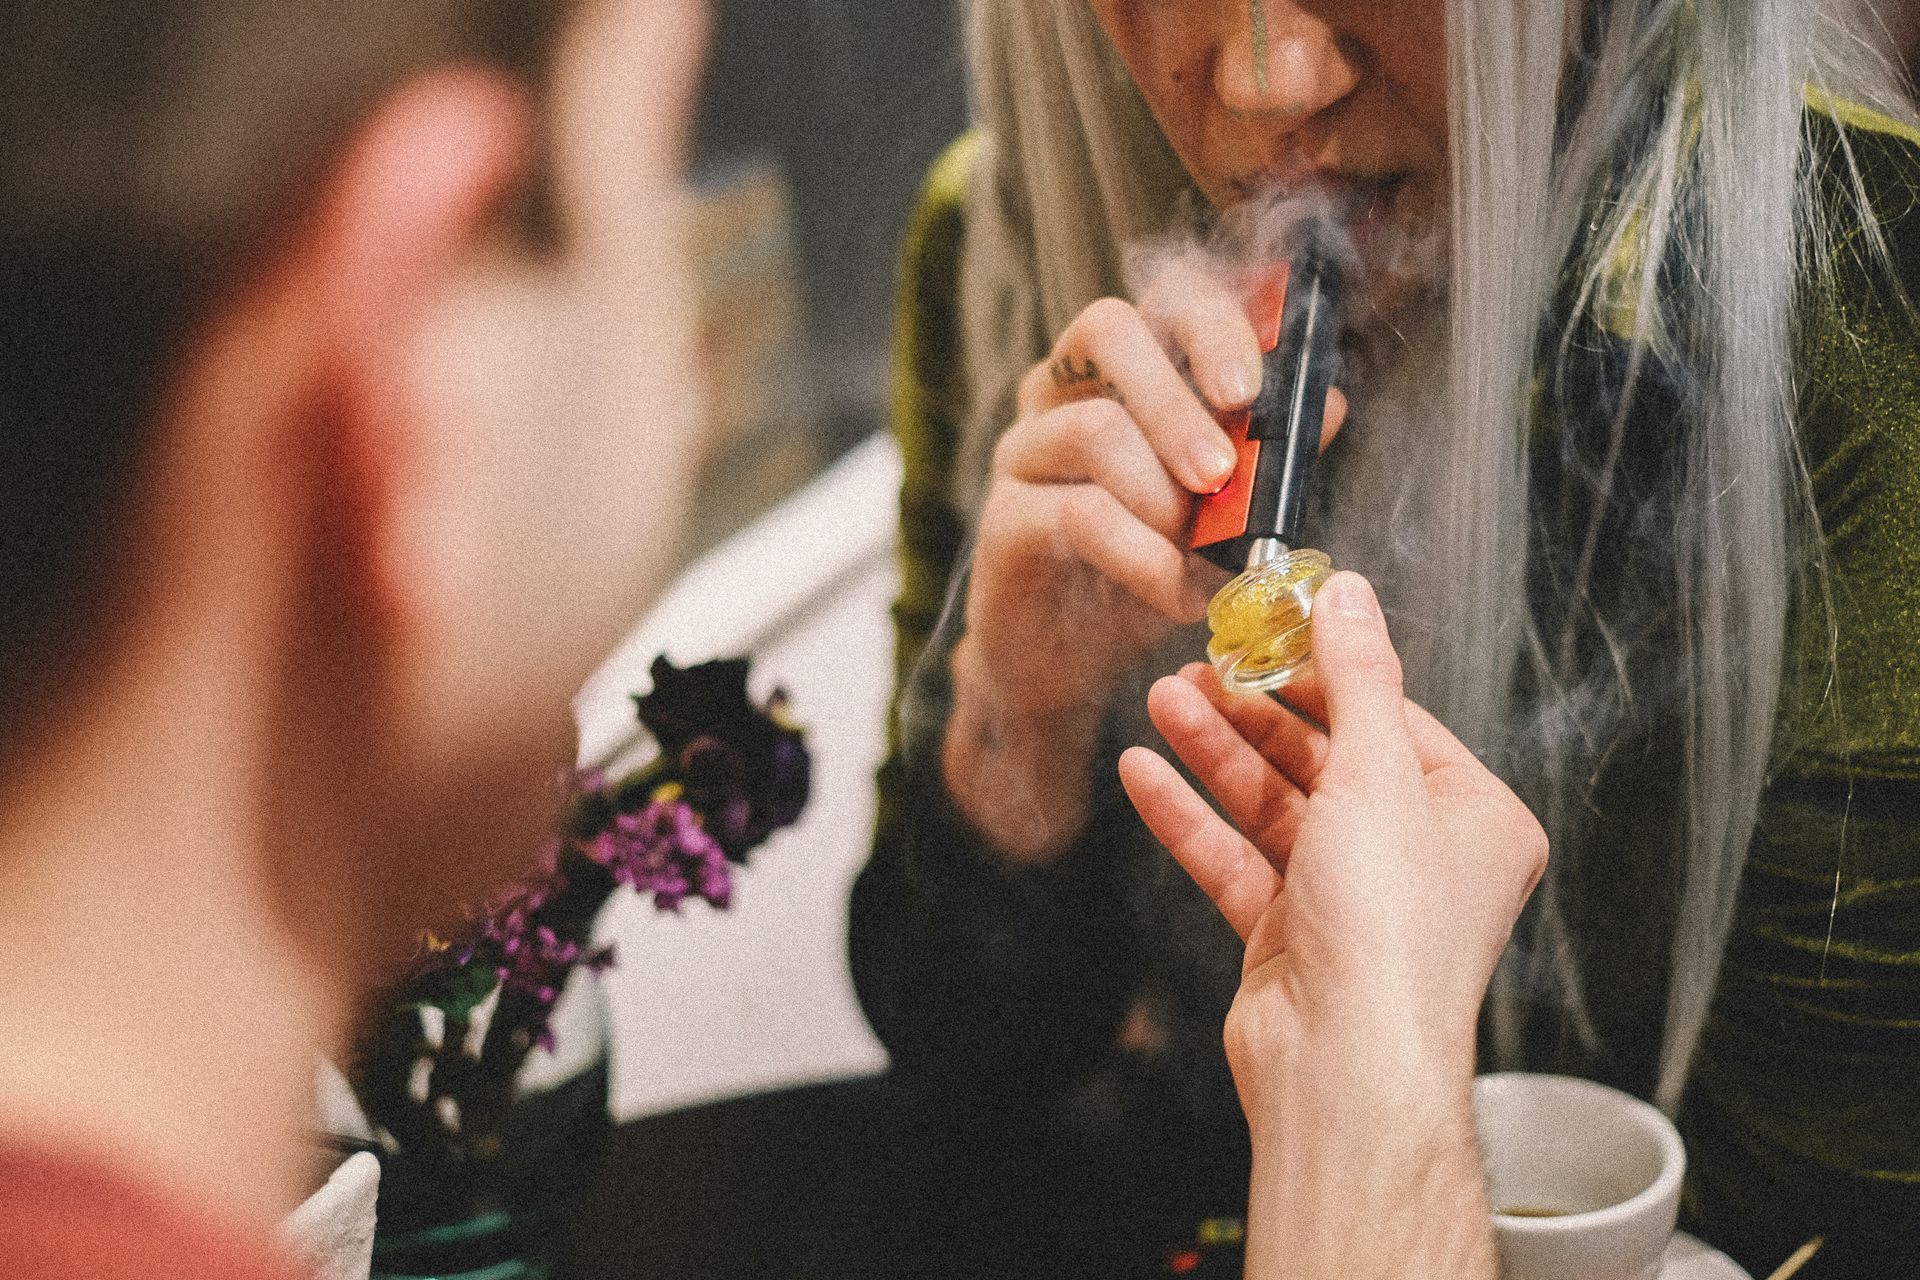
point(1259, 95)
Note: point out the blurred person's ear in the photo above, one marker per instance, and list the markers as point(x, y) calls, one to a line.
point(309, 372)
point(408, 207)
point(298, 502)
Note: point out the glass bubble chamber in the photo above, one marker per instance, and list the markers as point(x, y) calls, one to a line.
point(1262, 638)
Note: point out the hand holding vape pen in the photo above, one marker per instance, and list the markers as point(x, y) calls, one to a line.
point(1261, 638)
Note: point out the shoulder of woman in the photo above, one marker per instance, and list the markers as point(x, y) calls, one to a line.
point(1860, 318)
point(928, 395)
point(947, 179)
point(926, 330)
point(1859, 379)
point(931, 246)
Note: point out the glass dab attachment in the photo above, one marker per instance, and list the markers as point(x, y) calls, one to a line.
point(1261, 635)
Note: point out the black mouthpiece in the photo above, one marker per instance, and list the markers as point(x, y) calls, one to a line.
point(1292, 407)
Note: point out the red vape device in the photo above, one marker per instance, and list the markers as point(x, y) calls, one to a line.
point(1296, 315)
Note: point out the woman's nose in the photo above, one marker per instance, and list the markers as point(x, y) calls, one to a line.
point(1278, 60)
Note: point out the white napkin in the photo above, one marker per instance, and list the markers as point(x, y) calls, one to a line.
point(330, 1237)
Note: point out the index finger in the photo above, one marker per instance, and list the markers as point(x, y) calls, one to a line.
point(1203, 319)
point(1109, 351)
point(1239, 879)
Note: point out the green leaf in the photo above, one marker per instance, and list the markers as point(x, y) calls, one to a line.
point(459, 991)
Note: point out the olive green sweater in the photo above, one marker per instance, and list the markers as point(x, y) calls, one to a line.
point(1803, 1115)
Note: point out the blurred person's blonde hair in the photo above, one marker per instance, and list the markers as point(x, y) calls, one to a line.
point(1676, 135)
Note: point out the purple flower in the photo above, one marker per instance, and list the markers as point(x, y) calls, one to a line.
point(663, 849)
point(750, 792)
point(729, 774)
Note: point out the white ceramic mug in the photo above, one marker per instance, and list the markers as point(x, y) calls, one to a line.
point(1584, 1180)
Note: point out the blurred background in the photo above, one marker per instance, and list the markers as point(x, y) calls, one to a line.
point(820, 118)
point(819, 121)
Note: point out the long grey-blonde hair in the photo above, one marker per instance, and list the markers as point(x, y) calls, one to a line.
point(1661, 131)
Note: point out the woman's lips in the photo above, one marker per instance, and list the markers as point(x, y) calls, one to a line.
point(1356, 195)
point(1384, 213)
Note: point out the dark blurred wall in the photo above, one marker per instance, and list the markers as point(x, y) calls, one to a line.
point(1901, 22)
point(852, 99)
point(1905, 23)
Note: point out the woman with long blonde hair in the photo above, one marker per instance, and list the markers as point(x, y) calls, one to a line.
point(1637, 470)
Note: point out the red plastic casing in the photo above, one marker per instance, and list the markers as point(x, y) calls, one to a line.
point(1222, 517)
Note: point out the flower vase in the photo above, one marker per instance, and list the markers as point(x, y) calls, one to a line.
point(494, 1200)
point(481, 1083)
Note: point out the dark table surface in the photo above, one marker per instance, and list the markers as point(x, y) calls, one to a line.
point(866, 1178)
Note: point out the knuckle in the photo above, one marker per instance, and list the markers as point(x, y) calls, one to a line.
point(1032, 389)
point(1103, 418)
point(1084, 428)
point(1250, 1034)
point(1003, 518)
point(1524, 841)
point(1083, 508)
point(1535, 848)
point(1024, 538)
point(1007, 449)
point(1240, 1033)
point(1106, 319)
point(1002, 501)
point(1376, 663)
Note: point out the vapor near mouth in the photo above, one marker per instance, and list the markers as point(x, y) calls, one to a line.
point(1392, 253)
point(1360, 195)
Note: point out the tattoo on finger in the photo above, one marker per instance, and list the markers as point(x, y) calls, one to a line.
point(1077, 375)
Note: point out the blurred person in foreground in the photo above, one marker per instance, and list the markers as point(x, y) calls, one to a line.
point(334, 452)
point(1632, 456)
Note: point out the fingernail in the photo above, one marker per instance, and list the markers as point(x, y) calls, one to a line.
point(1239, 383)
point(1213, 461)
point(1352, 596)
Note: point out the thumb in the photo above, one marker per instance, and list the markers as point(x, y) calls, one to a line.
point(1360, 675)
point(1336, 416)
